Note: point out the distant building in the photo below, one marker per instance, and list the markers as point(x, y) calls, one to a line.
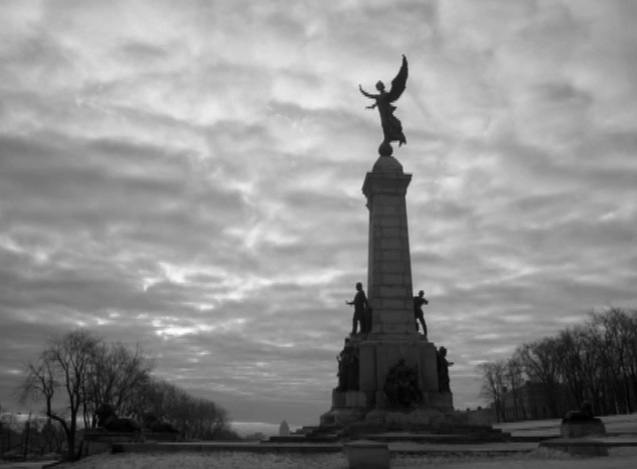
point(284, 429)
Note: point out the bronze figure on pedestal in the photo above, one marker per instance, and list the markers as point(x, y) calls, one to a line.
point(392, 127)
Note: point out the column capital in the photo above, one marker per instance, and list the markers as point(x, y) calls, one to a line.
point(387, 182)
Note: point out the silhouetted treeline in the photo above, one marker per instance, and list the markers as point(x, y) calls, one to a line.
point(28, 439)
point(195, 418)
point(595, 361)
point(79, 371)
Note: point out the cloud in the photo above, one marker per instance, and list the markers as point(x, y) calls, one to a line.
point(190, 179)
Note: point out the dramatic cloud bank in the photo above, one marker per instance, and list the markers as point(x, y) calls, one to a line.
point(188, 177)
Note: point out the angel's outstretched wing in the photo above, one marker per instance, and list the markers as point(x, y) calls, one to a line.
point(398, 84)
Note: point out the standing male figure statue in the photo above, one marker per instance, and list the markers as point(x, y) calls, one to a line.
point(360, 307)
point(418, 313)
point(443, 370)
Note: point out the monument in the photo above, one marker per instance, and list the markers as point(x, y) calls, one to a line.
point(389, 375)
point(284, 429)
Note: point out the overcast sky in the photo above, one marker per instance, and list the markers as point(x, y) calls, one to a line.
point(187, 176)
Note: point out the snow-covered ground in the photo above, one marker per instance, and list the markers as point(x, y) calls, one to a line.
point(619, 458)
point(613, 423)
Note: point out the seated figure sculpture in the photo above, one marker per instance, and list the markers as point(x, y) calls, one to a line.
point(579, 423)
point(109, 421)
point(585, 413)
point(348, 369)
point(401, 386)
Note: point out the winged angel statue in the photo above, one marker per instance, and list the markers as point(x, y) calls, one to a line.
point(392, 128)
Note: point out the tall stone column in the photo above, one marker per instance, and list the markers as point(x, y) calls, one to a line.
point(389, 283)
point(393, 346)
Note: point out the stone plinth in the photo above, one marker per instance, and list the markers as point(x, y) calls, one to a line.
point(581, 428)
point(397, 368)
point(100, 441)
point(364, 454)
point(577, 447)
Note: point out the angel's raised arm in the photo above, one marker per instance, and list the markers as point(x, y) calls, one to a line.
point(365, 93)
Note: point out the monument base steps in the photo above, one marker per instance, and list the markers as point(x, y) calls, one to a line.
point(364, 454)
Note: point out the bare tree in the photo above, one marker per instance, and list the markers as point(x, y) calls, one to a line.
point(116, 375)
point(514, 374)
point(617, 341)
point(596, 361)
point(195, 418)
point(631, 347)
point(51, 438)
point(58, 375)
point(493, 386)
point(76, 373)
point(575, 363)
point(540, 360)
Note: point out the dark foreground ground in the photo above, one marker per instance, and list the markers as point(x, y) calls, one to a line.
point(404, 455)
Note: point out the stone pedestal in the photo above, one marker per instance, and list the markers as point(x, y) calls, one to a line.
point(364, 454)
point(388, 377)
point(577, 446)
point(397, 367)
point(100, 441)
point(582, 428)
point(393, 334)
